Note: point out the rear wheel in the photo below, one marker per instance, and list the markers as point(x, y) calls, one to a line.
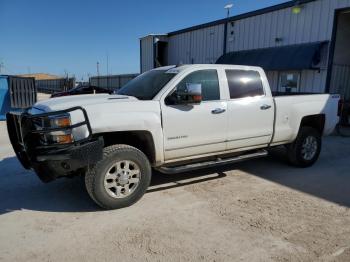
point(306, 148)
point(120, 179)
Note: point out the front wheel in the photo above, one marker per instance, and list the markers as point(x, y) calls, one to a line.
point(306, 148)
point(120, 179)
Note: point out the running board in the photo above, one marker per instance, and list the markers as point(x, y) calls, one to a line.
point(212, 163)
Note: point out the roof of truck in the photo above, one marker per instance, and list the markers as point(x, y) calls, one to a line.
point(179, 68)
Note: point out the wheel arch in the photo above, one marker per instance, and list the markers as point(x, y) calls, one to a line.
point(316, 121)
point(140, 139)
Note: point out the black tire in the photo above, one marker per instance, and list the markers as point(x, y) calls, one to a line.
point(295, 153)
point(95, 176)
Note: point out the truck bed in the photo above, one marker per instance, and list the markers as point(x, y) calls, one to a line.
point(290, 108)
point(276, 93)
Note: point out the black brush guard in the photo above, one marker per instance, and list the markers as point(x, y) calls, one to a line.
point(55, 160)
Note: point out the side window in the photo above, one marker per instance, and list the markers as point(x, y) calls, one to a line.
point(209, 81)
point(289, 82)
point(244, 83)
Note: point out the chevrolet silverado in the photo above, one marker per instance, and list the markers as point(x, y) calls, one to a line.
point(172, 119)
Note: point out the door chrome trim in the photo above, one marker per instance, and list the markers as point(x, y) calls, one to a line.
point(233, 140)
point(208, 144)
point(218, 153)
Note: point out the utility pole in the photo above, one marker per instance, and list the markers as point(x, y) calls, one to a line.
point(107, 70)
point(65, 87)
point(227, 7)
point(107, 57)
point(98, 73)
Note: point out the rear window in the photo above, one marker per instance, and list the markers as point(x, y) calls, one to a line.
point(244, 83)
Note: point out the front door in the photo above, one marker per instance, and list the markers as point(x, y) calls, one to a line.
point(200, 128)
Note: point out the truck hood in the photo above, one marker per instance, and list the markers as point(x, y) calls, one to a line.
point(110, 113)
point(61, 103)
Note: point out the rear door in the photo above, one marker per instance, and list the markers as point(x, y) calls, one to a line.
point(198, 129)
point(250, 108)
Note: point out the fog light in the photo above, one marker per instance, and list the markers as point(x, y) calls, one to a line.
point(62, 139)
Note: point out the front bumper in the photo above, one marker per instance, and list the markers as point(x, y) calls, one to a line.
point(51, 161)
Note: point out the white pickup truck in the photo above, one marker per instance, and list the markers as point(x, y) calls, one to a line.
point(173, 119)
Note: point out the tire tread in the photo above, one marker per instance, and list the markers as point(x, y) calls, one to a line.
point(292, 149)
point(91, 172)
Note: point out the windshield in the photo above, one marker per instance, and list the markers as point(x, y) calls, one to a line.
point(147, 85)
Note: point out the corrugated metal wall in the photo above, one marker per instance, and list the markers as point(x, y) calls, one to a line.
point(179, 49)
point(111, 82)
point(23, 92)
point(147, 53)
point(54, 85)
point(196, 47)
point(341, 80)
point(314, 23)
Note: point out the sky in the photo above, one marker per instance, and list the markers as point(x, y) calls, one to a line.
point(69, 37)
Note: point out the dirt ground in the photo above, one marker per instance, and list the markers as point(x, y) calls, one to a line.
point(260, 210)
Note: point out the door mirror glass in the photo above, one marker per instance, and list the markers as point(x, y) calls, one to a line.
point(192, 94)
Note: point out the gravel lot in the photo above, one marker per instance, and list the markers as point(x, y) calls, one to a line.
point(259, 210)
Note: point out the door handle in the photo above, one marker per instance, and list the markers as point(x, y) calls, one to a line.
point(265, 107)
point(218, 111)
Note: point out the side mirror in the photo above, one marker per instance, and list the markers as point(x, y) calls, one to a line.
point(191, 95)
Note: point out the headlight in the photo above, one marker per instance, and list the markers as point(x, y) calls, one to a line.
point(55, 121)
point(59, 137)
point(66, 122)
point(60, 121)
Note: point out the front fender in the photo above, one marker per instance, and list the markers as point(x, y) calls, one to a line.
point(133, 116)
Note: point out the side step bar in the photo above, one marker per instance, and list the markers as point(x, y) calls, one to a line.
point(212, 163)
